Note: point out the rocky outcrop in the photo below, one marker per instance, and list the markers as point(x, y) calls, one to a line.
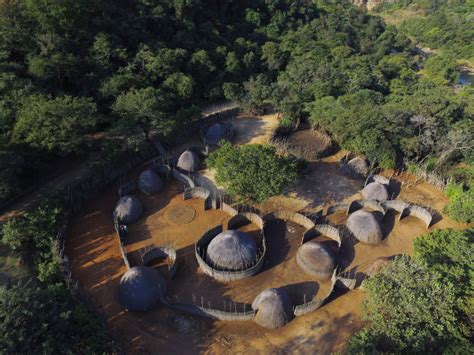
point(370, 4)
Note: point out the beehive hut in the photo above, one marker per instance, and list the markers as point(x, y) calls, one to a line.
point(316, 259)
point(365, 227)
point(150, 182)
point(218, 132)
point(128, 209)
point(274, 308)
point(375, 191)
point(232, 250)
point(189, 161)
point(141, 288)
point(356, 167)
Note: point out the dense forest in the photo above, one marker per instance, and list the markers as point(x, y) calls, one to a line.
point(71, 69)
point(89, 79)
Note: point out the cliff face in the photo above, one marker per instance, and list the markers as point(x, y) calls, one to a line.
point(370, 4)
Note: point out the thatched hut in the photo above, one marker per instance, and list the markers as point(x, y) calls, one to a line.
point(232, 250)
point(316, 259)
point(141, 288)
point(150, 182)
point(365, 227)
point(356, 168)
point(274, 308)
point(218, 132)
point(189, 161)
point(128, 209)
point(375, 191)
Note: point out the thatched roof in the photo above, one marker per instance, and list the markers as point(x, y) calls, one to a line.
point(150, 182)
point(274, 308)
point(375, 191)
point(141, 288)
point(232, 250)
point(128, 209)
point(356, 167)
point(217, 132)
point(316, 259)
point(189, 161)
point(377, 265)
point(378, 178)
point(365, 227)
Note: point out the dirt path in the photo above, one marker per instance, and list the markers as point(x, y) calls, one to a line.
point(30, 200)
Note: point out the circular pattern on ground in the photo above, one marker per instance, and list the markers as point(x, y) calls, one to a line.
point(181, 214)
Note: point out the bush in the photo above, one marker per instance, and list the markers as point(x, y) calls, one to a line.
point(252, 172)
point(48, 320)
point(461, 206)
point(410, 309)
point(448, 252)
point(37, 230)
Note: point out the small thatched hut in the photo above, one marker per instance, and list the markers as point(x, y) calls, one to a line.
point(150, 182)
point(365, 227)
point(375, 191)
point(356, 168)
point(141, 288)
point(218, 132)
point(128, 209)
point(274, 308)
point(316, 259)
point(189, 161)
point(232, 250)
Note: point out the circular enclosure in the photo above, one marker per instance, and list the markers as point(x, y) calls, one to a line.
point(181, 214)
point(232, 250)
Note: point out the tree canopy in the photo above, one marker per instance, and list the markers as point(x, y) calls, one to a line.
point(421, 304)
point(252, 172)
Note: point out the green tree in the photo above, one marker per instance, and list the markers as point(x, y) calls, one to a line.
point(252, 172)
point(410, 309)
point(48, 320)
point(449, 252)
point(141, 110)
point(57, 124)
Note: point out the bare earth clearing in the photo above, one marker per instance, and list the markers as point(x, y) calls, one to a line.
point(96, 262)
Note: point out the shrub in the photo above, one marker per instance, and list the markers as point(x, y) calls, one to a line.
point(252, 172)
point(448, 252)
point(461, 206)
point(48, 320)
point(410, 309)
point(37, 230)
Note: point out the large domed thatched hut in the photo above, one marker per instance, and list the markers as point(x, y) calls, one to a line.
point(218, 132)
point(274, 308)
point(150, 182)
point(375, 191)
point(356, 168)
point(141, 288)
point(365, 227)
point(189, 161)
point(232, 250)
point(316, 259)
point(128, 209)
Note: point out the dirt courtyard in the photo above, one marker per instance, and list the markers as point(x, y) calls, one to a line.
point(168, 220)
point(96, 262)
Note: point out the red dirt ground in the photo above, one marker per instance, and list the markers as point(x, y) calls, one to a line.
point(96, 262)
